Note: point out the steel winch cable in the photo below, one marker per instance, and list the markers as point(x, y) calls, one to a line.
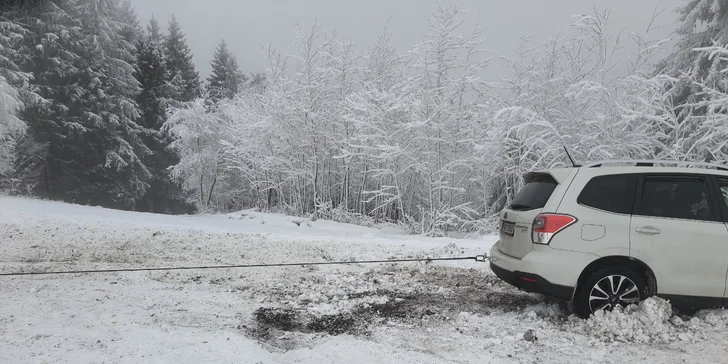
point(480, 258)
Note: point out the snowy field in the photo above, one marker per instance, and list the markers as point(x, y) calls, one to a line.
point(450, 312)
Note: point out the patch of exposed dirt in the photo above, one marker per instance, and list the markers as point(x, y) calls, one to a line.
point(408, 296)
point(281, 319)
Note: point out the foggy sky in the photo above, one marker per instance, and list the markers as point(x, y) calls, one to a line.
point(249, 24)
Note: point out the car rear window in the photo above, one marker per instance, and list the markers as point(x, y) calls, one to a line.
point(613, 193)
point(535, 193)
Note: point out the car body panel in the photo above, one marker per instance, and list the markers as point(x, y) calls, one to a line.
point(696, 273)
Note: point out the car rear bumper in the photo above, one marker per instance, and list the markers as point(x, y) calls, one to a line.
point(544, 270)
point(533, 283)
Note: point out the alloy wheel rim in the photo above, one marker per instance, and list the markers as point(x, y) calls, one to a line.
point(611, 291)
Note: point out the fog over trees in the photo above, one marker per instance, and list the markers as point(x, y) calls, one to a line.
point(96, 108)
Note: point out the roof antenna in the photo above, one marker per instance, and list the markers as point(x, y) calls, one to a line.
point(571, 159)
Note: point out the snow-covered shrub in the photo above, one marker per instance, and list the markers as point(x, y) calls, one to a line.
point(198, 137)
point(417, 138)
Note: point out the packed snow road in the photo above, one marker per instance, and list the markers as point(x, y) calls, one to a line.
point(389, 313)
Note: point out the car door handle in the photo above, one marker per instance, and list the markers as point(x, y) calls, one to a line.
point(648, 230)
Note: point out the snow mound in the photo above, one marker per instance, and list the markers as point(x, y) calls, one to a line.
point(543, 310)
point(715, 318)
point(650, 322)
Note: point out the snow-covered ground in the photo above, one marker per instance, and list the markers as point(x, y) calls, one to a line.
point(449, 312)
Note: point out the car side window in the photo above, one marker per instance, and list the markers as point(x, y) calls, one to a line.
point(613, 193)
point(676, 197)
point(723, 184)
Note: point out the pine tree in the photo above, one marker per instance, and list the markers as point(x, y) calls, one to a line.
point(225, 79)
point(163, 195)
point(12, 35)
point(49, 57)
point(181, 71)
point(103, 146)
point(151, 74)
point(11, 127)
point(154, 34)
point(704, 24)
point(130, 31)
point(83, 70)
point(12, 79)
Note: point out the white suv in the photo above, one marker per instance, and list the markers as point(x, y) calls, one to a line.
point(616, 232)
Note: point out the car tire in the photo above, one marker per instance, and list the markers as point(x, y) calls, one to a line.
point(598, 291)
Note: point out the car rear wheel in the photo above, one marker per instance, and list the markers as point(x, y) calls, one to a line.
point(609, 288)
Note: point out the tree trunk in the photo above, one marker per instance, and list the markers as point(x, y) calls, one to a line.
point(209, 195)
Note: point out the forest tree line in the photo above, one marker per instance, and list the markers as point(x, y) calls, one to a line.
point(84, 95)
point(96, 109)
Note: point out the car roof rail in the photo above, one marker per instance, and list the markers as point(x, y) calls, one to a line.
point(653, 162)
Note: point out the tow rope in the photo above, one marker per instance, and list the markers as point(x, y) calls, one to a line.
point(479, 258)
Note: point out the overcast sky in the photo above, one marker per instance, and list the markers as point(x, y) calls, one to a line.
point(248, 24)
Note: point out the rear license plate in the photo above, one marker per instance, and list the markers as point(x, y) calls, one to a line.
point(508, 228)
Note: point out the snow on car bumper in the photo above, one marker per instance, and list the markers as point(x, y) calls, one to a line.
point(544, 270)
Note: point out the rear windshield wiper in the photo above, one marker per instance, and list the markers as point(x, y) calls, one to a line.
point(519, 206)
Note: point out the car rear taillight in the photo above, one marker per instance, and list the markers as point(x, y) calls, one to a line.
point(545, 226)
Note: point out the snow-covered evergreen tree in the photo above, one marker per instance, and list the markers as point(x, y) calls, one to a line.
point(163, 195)
point(225, 79)
point(152, 74)
point(12, 79)
point(129, 30)
point(11, 127)
point(49, 57)
point(13, 34)
point(94, 142)
point(181, 71)
point(704, 24)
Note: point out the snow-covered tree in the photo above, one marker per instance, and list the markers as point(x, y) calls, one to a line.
point(181, 71)
point(701, 131)
point(12, 78)
point(44, 55)
point(257, 80)
point(567, 94)
point(11, 127)
point(129, 30)
point(419, 138)
point(337, 131)
point(12, 36)
point(197, 137)
point(151, 74)
point(449, 93)
point(82, 70)
point(98, 159)
point(225, 79)
point(163, 194)
point(703, 24)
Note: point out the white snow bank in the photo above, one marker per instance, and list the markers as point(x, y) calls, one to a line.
point(17, 210)
point(650, 322)
point(196, 316)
